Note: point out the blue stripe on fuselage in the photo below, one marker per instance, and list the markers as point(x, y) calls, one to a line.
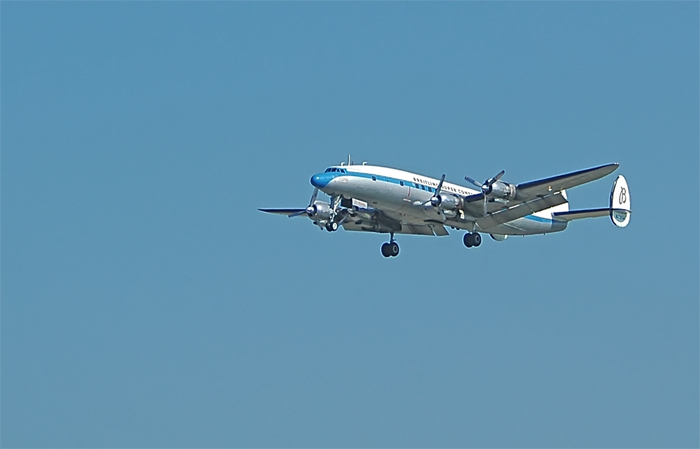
point(539, 219)
point(321, 180)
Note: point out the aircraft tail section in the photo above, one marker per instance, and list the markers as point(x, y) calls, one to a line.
point(619, 210)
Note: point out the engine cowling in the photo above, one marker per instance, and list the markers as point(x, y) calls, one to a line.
point(320, 210)
point(448, 202)
point(501, 189)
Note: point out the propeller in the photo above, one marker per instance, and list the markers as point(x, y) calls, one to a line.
point(436, 200)
point(488, 184)
point(486, 187)
point(311, 209)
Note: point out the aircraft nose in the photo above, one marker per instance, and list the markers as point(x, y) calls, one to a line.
point(320, 180)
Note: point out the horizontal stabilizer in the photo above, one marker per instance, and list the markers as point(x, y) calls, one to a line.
point(578, 214)
point(619, 210)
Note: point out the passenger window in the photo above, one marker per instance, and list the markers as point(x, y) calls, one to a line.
point(374, 178)
point(401, 182)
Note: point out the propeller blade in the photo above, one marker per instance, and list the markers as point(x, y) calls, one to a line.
point(439, 187)
point(297, 213)
point(313, 197)
point(472, 181)
point(435, 200)
point(495, 178)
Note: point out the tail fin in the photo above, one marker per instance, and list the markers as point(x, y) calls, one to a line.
point(620, 211)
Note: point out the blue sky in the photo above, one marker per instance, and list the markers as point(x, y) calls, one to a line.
point(147, 303)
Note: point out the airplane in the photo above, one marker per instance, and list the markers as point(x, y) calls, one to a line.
point(371, 198)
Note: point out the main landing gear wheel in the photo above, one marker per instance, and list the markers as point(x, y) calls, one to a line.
point(390, 249)
point(472, 239)
point(331, 226)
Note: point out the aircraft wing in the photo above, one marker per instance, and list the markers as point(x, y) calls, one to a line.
point(426, 229)
point(286, 212)
point(532, 196)
point(533, 189)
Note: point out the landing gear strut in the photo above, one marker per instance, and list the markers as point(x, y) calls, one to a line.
point(472, 239)
point(390, 249)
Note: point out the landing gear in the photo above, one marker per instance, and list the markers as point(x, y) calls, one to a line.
point(331, 226)
point(472, 239)
point(390, 249)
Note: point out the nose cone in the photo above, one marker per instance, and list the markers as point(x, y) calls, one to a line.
point(321, 180)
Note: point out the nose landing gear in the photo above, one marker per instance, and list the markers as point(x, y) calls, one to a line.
point(390, 249)
point(472, 239)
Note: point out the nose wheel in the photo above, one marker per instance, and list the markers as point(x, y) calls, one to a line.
point(472, 239)
point(391, 248)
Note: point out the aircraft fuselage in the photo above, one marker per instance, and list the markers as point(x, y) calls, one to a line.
point(405, 196)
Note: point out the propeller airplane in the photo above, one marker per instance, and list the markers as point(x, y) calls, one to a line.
point(386, 200)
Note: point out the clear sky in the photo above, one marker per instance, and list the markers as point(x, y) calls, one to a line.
point(147, 303)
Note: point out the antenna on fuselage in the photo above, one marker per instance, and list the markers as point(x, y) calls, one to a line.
point(349, 160)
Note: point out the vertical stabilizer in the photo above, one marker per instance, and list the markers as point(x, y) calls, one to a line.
point(620, 209)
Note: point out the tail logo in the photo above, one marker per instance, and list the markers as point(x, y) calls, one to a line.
point(623, 196)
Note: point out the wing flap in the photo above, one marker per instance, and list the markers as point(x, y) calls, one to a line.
point(521, 210)
point(416, 229)
point(427, 229)
point(438, 229)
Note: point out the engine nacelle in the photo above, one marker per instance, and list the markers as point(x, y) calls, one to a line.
point(501, 189)
point(449, 202)
point(320, 210)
